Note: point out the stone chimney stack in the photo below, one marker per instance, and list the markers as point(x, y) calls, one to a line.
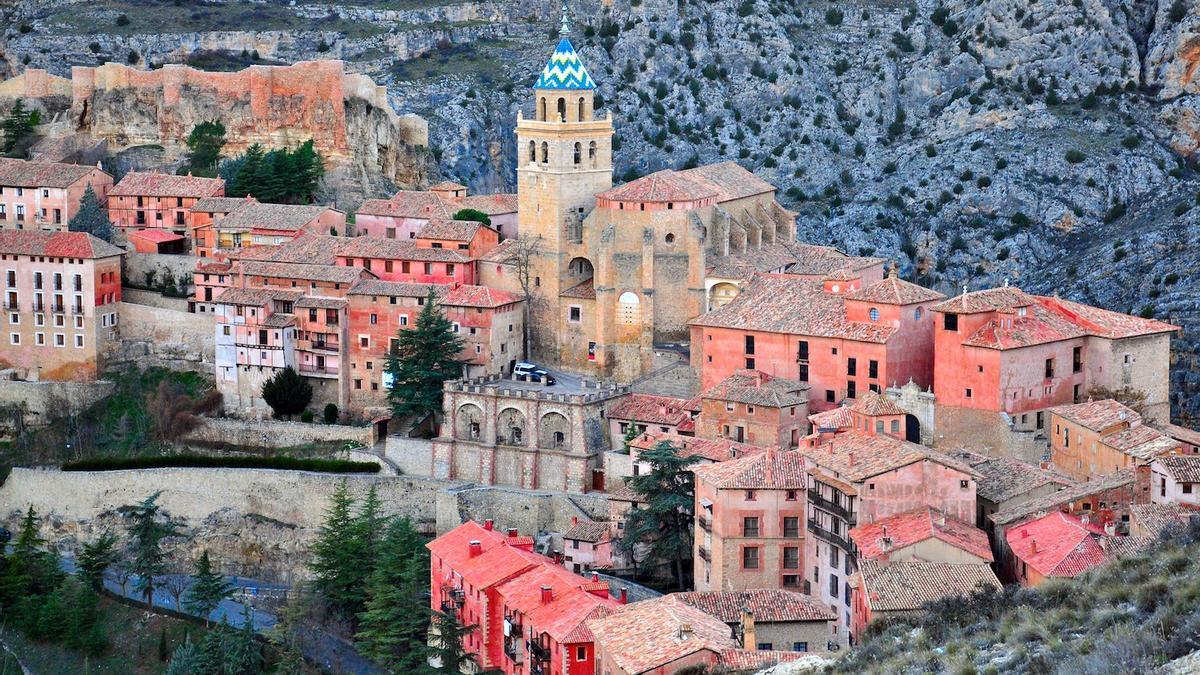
point(547, 595)
point(749, 639)
point(475, 547)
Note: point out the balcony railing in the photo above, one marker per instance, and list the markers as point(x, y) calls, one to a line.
point(704, 523)
point(58, 308)
point(256, 345)
point(320, 345)
point(705, 555)
point(815, 498)
point(512, 649)
point(330, 371)
point(77, 309)
point(836, 539)
point(39, 306)
point(11, 306)
point(538, 653)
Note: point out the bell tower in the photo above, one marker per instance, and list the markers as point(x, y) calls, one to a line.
point(564, 159)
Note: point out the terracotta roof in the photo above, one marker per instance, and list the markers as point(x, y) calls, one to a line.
point(479, 296)
point(450, 230)
point(504, 253)
point(895, 291)
point(1183, 434)
point(873, 404)
point(55, 244)
point(402, 289)
point(493, 205)
point(139, 184)
point(990, 300)
point(408, 204)
point(447, 185)
point(396, 249)
point(274, 217)
point(1057, 544)
point(781, 304)
point(906, 585)
point(1067, 495)
point(275, 270)
point(755, 387)
point(321, 302)
point(712, 449)
point(662, 410)
point(582, 633)
point(624, 493)
point(648, 634)
point(585, 291)
point(23, 174)
point(156, 235)
point(756, 659)
point(729, 180)
point(306, 249)
point(1153, 518)
point(661, 186)
point(279, 320)
point(570, 603)
point(213, 266)
point(913, 527)
point(832, 420)
point(255, 296)
point(496, 565)
point(769, 605)
point(1183, 468)
point(453, 547)
point(1105, 323)
point(1141, 442)
point(588, 530)
point(1003, 478)
point(1097, 415)
point(856, 456)
point(769, 470)
point(218, 204)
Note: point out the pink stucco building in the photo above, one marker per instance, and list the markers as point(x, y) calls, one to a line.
point(46, 195)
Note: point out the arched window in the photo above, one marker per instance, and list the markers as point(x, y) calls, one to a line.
point(628, 308)
point(542, 109)
point(580, 109)
point(592, 151)
point(670, 238)
point(562, 110)
point(874, 314)
point(532, 151)
point(918, 313)
point(578, 153)
point(545, 152)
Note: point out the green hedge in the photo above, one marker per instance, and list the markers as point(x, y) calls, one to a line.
point(234, 462)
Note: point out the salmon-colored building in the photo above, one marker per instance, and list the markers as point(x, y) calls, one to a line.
point(46, 195)
point(61, 291)
point(158, 201)
point(587, 546)
point(207, 212)
point(751, 406)
point(465, 236)
point(404, 214)
point(648, 413)
point(839, 345)
point(1098, 437)
point(872, 413)
point(1057, 545)
point(402, 260)
point(253, 223)
point(1006, 351)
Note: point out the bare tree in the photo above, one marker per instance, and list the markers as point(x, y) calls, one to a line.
point(175, 413)
point(522, 252)
point(122, 576)
point(175, 585)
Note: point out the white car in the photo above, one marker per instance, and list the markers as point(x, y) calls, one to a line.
point(531, 373)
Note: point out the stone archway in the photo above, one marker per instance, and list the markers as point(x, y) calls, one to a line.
point(554, 431)
point(468, 423)
point(510, 427)
point(912, 429)
point(721, 294)
point(580, 269)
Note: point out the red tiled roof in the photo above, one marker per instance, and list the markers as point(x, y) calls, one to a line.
point(728, 180)
point(255, 296)
point(1097, 415)
point(769, 470)
point(834, 419)
point(450, 230)
point(1141, 442)
point(1057, 544)
point(585, 290)
point(712, 449)
point(1183, 468)
point(661, 186)
point(504, 253)
point(213, 267)
point(645, 635)
point(493, 205)
point(156, 235)
point(145, 184)
point(756, 659)
point(570, 604)
point(24, 174)
point(662, 410)
point(989, 300)
point(447, 185)
point(453, 547)
point(588, 530)
point(913, 527)
point(274, 217)
point(55, 244)
point(906, 585)
point(1105, 323)
point(274, 270)
point(401, 289)
point(1002, 478)
point(758, 388)
point(1013, 330)
point(408, 204)
point(895, 291)
point(781, 304)
point(219, 204)
point(479, 296)
point(306, 249)
point(873, 404)
point(856, 456)
point(769, 605)
point(321, 302)
point(1073, 493)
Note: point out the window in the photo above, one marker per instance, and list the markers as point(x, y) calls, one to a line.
point(750, 558)
point(364, 341)
point(802, 351)
point(574, 314)
point(79, 341)
point(799, 646)
point(833, 585)
point(791, 526)
point(968, 392)
point(895, 426)
point(791, 580)
point(766, 646)
point(374, 319)
point(14, 338)
point(804, 372)
point(750, 526)
point(873, 369)
point(1049, 368)
point(60, 340)
point(950, 322)
point(749, 495)
point(749, 344)
point(851, 389)
point(852, 367)
point(829, 396)
point(581, 653)
point(39, 338)
point(964, 484)
point(749, 363)
point(874, 314)
point(1187, 488)
point(1041, 420)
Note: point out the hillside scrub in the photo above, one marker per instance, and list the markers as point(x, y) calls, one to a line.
point(1128, 616)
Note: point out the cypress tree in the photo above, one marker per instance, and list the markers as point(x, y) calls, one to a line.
point(96, 558)
point(251, 174)
point(287, 393)
point(148, 527)
point(396, 620)
point(17, 125)
point(91, 217)
point(446, 640)
point(665, 524)
point(425, 356)
point(204, 146)
point(336, 566)
point(308, 169)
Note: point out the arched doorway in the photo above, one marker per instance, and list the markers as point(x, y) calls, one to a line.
point(912, 429)
point(628, 308)
point(580, 269)
point(721, 294)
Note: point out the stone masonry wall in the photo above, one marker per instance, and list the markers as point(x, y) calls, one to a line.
point(276, 434)
point(165, 337)
point(530, 512)
point(137, 264)
point(40, 397)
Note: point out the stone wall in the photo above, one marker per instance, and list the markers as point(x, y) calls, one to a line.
point(40, 397)
point(986, 433)
point(529, 511)
point(164, 337)
point(138, 296)
point(413, 456)
point(275, 434)
point(137, 264)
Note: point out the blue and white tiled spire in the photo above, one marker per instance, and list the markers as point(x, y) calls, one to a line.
point(565, 69)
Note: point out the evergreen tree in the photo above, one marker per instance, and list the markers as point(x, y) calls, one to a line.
point(280, 174)
point(17, 125)
point(30, 562)
point(204, 146)
point(147, 528)
point(446, 643)
point(242, 655)
point(631, 434)
point(308, 170)
point(665, 524)
point(473, 214)
point(91, 217)
point(287, 393)
point(370, 526)
point(210, 659)
point(425, 356)
point(396, 620)
point(251, 173)
point(185, 660)
point(208, 589)
point(336, 566)
point(96, 558)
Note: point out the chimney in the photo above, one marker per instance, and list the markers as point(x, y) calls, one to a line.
point(624, 596)
point(851, 457)
point(685, 631)
point(574, 521)
point(1033, 545)
point(1110, 528)
point(749, 639)
point(663, 409)
point(547, 595)
point(488, 524)
point(885, 543)
point(1044, 465)
point(476, 547)
point(595, 577)
point(512, 532)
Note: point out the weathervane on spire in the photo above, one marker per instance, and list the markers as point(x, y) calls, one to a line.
point(564, 29)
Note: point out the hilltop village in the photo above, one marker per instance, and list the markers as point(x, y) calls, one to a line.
point(854, 445)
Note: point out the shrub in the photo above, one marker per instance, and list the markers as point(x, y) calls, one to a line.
point(306, 416)
point(122, 20)
point(1131, 141)
point(133, 57)
point(1074, 156)
point(280, 462)
point(25, 28)
point(330, 413)
point(322, 46)
point(1177, 11)
point(834, 16)
point(94, 47)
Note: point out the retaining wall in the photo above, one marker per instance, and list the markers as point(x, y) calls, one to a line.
point(40, 397)
point(164, 337)
point(137, 264)
point(275, 433)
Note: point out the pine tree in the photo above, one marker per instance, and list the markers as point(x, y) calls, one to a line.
point(446, 640)
point(96, 558)
point(287, 393)
point(204, 145)
point(308, 170)
point(472, 214)
point(17, 125)
point(148, 527)
point(208, 589)
point(425, 356)
point(631, 434)
point(91, 217)
point(251, 174)
point(396, 620)
point(210, 658)
point(242, 655)
point(335, 566)
point(665, 524)
point(185, 660)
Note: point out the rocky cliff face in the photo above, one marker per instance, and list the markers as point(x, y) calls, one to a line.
point(973, 141)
